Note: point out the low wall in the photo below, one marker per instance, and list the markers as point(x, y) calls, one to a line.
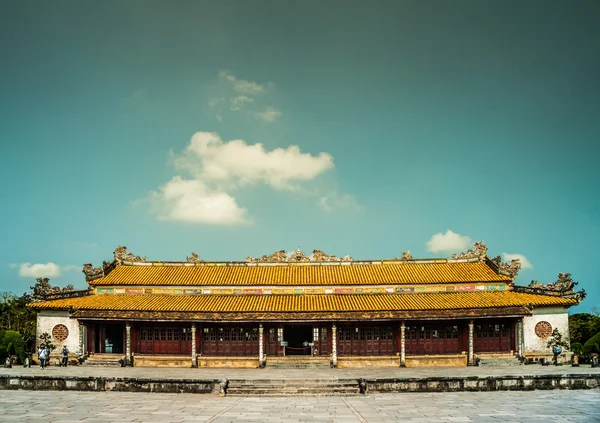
point(229, 362)
point(186, 361)
point(162, 361)
point(74, 383)
point(394, 361)
point(436, 360)
point(479, 384)
point(371, 385)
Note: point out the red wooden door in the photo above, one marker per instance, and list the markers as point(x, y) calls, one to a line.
point(452, 345)
point(271, 341)
point(209, 341)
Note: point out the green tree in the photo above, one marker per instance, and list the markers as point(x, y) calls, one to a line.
point(46, 342)
point(582, 326)
point(11, 343)
point(16, 316)
point(592, 345)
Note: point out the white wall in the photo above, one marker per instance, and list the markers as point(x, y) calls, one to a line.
point(47, 319)
point(558, 317)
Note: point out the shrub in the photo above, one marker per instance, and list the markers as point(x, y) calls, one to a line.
point(11, 343)
point(577, 348)
point(592, 345)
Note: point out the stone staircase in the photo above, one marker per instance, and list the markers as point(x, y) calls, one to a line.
point(498, 360)
point(298, 362)
point(111, 360)
point(296, 387)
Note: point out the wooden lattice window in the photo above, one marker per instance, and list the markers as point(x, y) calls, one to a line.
point(543, 329)
point(60, 332)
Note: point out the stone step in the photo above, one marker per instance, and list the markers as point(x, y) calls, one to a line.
point(250, 385)
point(101, 362)
point(294, 390)
point(500, 361)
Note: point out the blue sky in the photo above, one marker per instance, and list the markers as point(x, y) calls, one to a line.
point(380, 124)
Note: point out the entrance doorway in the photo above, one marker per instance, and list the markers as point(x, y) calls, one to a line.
point(113, 341)
point(296, 336)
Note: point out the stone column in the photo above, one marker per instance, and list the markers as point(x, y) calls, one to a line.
point(81, 338)
point(261, 351)
point(403, 344)
point(194, 360)
point(470, 357)
point(334, 359)
point(520, 337)
point(128, 344)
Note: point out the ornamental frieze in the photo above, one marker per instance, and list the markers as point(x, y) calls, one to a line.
point(305, 291)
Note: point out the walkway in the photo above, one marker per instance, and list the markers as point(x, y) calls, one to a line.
point(104, 407)
point(271, 373)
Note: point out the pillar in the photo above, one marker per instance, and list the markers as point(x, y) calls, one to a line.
point(470, 357)
point(520, 337)
point(194, 361)
point(334, 359)
point(128, 344)
point(403, 344)
point(261, 351)
point(81, 338)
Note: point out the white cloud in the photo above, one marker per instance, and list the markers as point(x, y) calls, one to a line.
point(449, 242)
point(191, 201)
point(335, 201)
point(238, 102)
point(217, 168)
point(270, 114)
point(235, 163)
point(219, 117)
point(42, 270)
point(242, 86)
point(525, 263)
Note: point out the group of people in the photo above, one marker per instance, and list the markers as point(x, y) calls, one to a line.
point(44, 355)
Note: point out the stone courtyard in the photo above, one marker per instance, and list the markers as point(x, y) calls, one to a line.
point(103, 407)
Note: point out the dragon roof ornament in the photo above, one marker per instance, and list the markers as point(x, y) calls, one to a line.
point(406, 255)
point(564, 287)
point(92, 273)
point(297, 256)
point(194, 258)
point(480, 252)
point(122, 255)
point(508, 269)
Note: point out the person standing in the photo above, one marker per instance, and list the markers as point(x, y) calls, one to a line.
point(65, 356)
point(43, 355)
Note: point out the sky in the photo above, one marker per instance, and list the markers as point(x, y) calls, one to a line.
point(236, 129)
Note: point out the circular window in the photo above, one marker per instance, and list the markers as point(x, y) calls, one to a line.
point(543, 329)
point(60, 332)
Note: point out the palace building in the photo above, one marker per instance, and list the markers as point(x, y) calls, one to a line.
point(344, 312)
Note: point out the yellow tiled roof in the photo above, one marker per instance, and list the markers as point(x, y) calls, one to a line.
point(355, 274)
point(303, 303)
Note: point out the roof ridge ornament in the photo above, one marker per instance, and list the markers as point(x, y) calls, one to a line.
point(194, 258)
point(508, 269)
point(406, 255)
point(122, 255)
point(92, 273)
point(297, 256)
point(563, 287)
point(480, 251)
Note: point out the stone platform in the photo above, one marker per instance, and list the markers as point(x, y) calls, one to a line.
point(300, 381)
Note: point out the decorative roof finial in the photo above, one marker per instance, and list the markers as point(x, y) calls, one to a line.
point(122, 255)
point(480, 251)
